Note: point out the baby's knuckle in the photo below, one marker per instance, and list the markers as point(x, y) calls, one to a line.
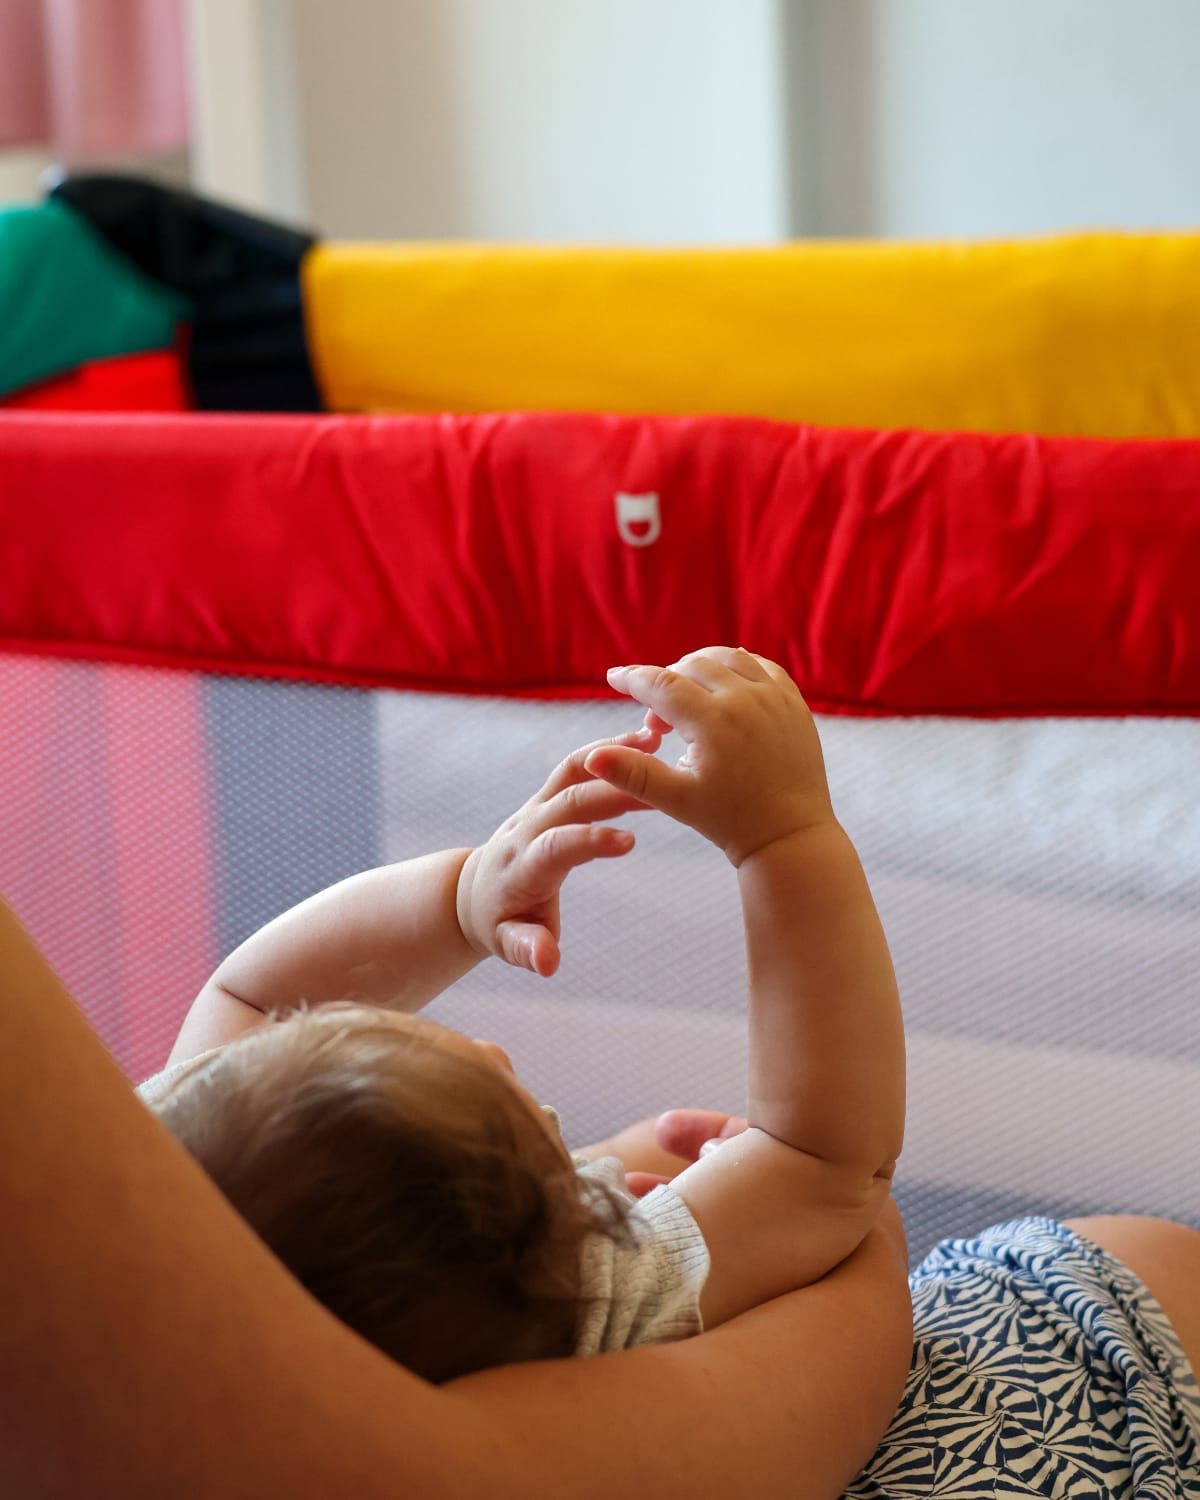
point(638, 778)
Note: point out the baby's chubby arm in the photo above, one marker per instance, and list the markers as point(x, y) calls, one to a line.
point(788, 1200)
point(399, 935)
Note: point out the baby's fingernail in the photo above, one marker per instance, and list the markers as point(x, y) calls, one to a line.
point(709, 1147)
point(612, 671)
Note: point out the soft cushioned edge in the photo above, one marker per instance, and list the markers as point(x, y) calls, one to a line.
point(891, 572)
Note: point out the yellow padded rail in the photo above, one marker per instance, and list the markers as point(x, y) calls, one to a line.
point(1082, 335)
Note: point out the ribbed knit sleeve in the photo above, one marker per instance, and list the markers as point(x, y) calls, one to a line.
point(646, 1291)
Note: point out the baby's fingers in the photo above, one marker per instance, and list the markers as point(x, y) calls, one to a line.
point(684, 1132)
point(528, 945)
point(641, 1183)
point(644, 778)
point(587, 801)
point(552, 856)
point(570, 772)
point(671, 695)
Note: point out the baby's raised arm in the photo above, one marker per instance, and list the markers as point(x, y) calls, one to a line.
point(788, 1200)
point(399, 935)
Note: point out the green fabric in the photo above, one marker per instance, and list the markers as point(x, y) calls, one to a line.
point(66, 297)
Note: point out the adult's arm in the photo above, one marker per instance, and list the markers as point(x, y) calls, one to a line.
point(117, 1385)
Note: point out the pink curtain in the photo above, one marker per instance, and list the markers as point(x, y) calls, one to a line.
point(92, 79)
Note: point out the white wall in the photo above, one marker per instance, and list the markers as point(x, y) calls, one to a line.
point(245, 109)
point(558, 120)
point(20, 171)
point(694, 121)
point(942, 118)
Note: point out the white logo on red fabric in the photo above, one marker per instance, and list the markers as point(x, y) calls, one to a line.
point(639, 520)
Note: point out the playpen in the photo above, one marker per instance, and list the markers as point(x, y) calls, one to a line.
point(244, 655)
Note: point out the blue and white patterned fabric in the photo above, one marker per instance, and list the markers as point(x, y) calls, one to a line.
point(1041, 1367)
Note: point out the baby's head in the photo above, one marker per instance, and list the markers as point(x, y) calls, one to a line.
point(404, 1177)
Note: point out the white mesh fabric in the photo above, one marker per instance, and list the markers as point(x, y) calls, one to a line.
point(1039, 881)
point(152, 818)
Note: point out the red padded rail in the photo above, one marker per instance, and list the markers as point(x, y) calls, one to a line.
point(894, 572)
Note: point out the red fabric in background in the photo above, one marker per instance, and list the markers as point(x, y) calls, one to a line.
point(890, 572)
point(156, 381)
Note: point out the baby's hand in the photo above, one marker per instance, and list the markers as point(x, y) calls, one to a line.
point(508, 889)
point(752, 772)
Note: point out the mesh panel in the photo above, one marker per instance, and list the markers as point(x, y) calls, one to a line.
point(152, 819)
point(105, 840)
point(1038, 880)
point(295, 785)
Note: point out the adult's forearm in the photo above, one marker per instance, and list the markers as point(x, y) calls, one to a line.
point(826, 1070)
point(152, 1345)
point(737, 1411)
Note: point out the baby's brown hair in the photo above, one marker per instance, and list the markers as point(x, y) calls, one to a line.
point(406, 1185)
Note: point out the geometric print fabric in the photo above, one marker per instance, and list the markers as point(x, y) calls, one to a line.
point(1041, 1367)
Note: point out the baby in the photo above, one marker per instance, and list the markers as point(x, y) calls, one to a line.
point(409, 1181)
